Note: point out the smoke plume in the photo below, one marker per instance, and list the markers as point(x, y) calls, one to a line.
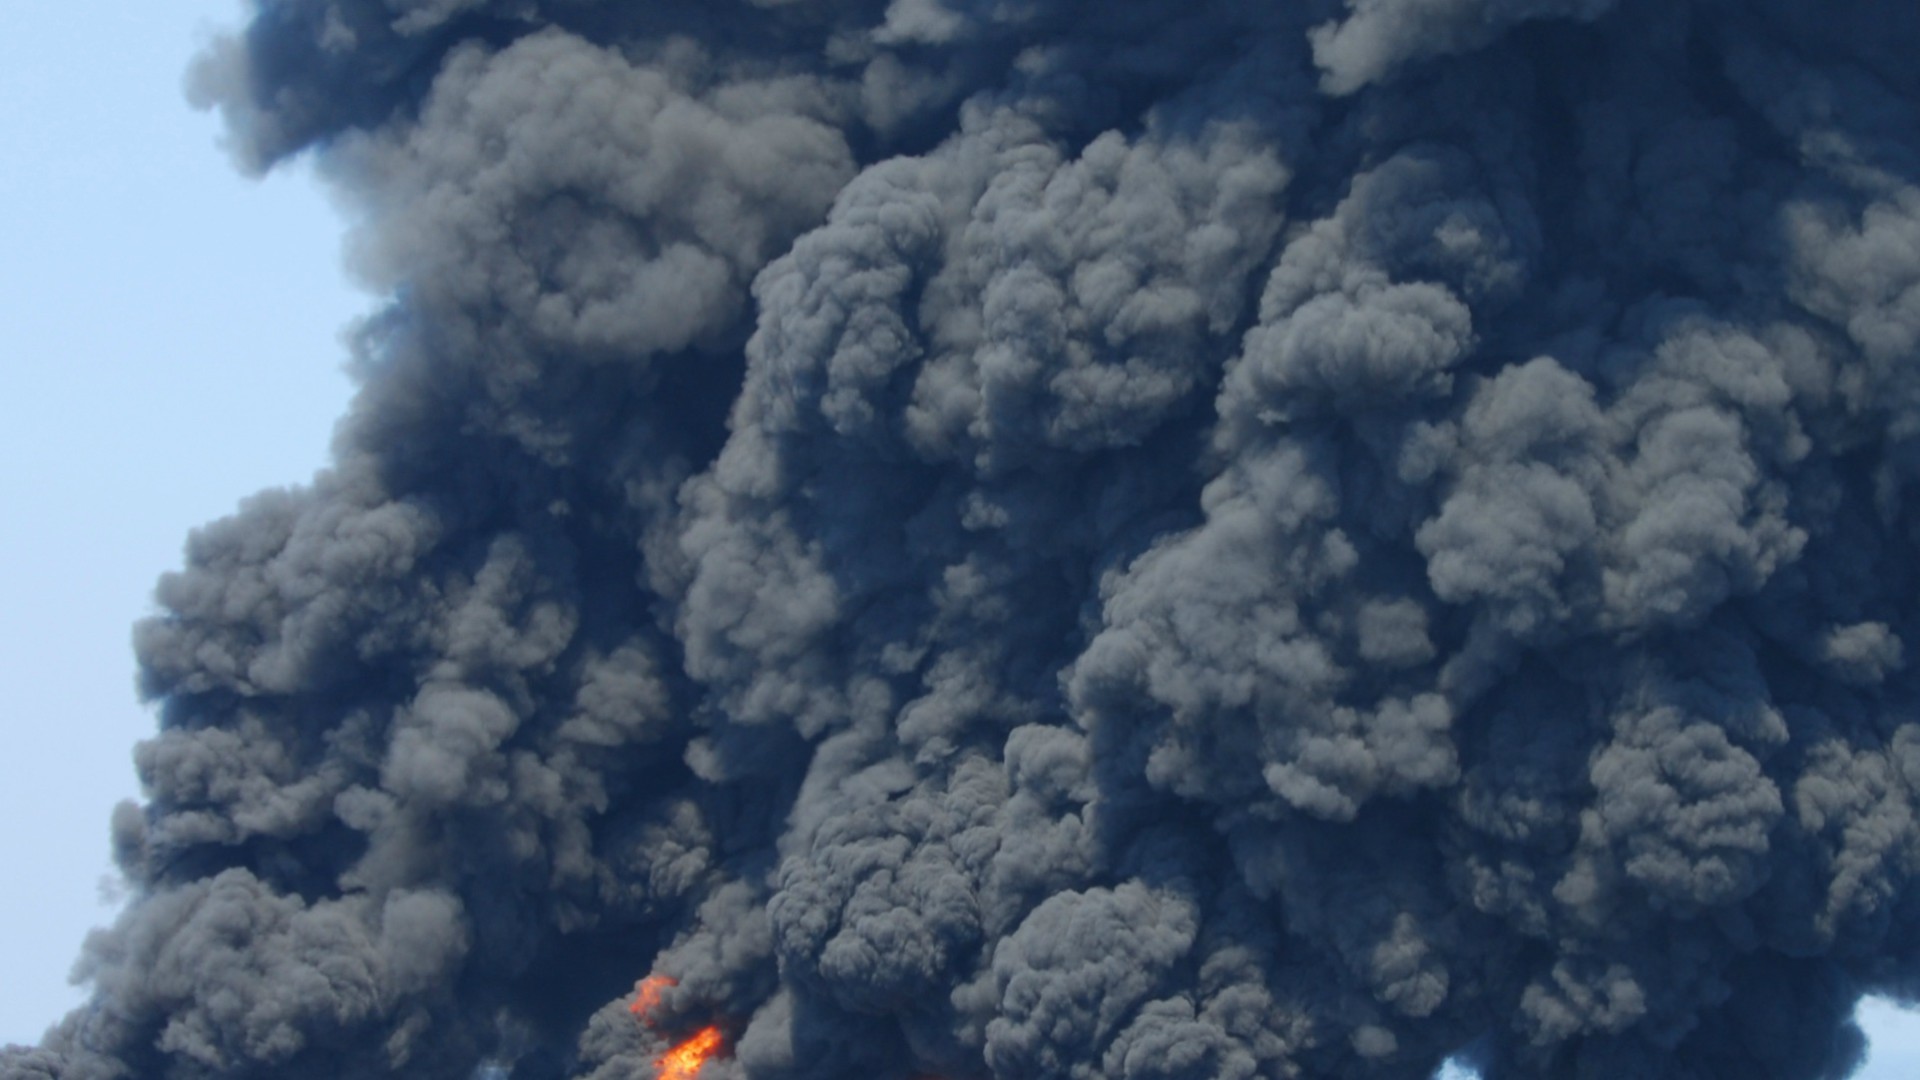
point(1019, 539)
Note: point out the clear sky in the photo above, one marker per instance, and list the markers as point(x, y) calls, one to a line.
point(169, 342)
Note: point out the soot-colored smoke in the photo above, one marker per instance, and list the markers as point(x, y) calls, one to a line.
point(1166, 540)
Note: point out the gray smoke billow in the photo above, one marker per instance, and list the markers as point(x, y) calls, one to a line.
point(1171, 540)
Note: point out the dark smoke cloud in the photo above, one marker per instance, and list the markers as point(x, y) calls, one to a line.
point(1034, 539)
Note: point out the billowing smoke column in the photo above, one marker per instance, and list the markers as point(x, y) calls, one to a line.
point(1168, 540)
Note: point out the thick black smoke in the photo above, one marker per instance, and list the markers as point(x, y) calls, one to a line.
point(1170, 540)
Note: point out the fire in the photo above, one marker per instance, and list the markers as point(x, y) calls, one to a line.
point(684, 1061)
point(646, 997)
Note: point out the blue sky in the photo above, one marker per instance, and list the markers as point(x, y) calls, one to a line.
point(171, 344)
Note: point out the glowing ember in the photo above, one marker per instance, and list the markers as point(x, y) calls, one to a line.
point(646, 998)
point(684, 1061)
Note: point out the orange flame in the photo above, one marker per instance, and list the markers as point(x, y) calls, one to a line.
point(683, 1061)
point(646, 997)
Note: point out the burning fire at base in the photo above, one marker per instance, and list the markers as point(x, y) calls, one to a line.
point(684, 1059)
